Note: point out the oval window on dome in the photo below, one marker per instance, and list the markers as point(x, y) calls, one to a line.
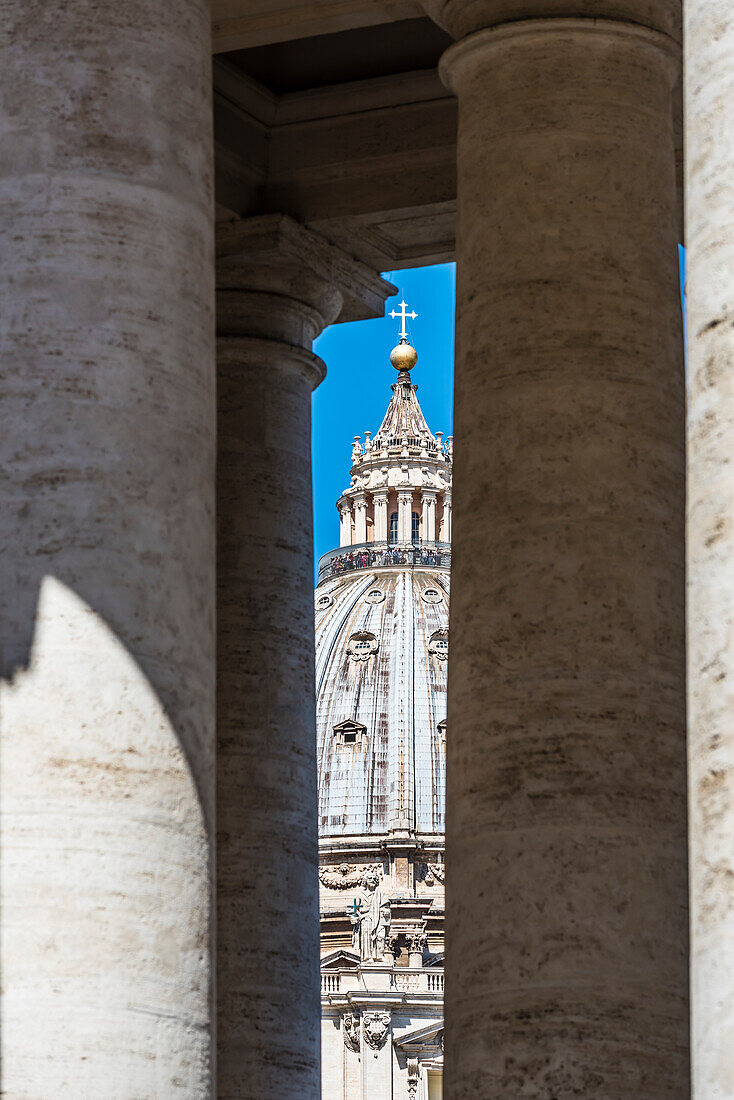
point(324, 601)
point(362, 645)
point(438, 644)
point(375, 596)
point(432, 595)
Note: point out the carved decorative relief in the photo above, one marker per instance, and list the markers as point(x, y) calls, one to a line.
point(350, 1030)
point(345, 875)
point(417, 941)
point(375, 1026)
point(434, 872)
point(413, 1075)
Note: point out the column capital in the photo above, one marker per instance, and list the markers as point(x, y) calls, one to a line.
point(461, 19)
point(316, 282)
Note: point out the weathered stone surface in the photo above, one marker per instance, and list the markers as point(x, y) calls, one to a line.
point(566, 814)
point(709, 103)
point(107, 551)
point(278, 285)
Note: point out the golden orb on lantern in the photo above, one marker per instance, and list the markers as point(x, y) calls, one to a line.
point(403, 356)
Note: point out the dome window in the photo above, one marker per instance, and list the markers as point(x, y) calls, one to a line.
point(393, 527)
point(362, 646)
point(442, 730)
point(432, 595)
point(375, 596)
point(438, 645)
point(349, 732)
point(323, 601)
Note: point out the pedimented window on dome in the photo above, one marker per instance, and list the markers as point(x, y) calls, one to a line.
point(432, 595)
point(375, 596)
point(350, 732)
point(322, 602)
point(438, 644)
point(362, 646)
point(442, 730)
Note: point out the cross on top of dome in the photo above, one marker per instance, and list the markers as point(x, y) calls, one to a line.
point(403, 356)
point(403, 315)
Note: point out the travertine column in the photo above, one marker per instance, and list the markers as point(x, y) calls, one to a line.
point(709, 102)
point(360, 517)
point(107, 549)
point(405, 514)
point(566, 814)
point(428, 500)
point(446, 520)
point(278, 286)
point(379, 500)
point(345, 524)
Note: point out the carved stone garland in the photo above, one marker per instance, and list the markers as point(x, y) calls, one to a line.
point(434, 872)
point(346, 875)
point(350, 1030)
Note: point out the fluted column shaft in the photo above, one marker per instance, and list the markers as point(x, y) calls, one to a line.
point(360, 518)
point(278, 286)
point(405, 514)
point(107, 560)
point(429, 515)
point(345, 525)
point(566, 806)
point(379, 500)
point(446, 521)
point(709, 103)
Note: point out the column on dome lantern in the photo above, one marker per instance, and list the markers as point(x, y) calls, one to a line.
point(428, 498)
point(360, 517)
point(379, 500)
point(405, 515)
point(345, 524)
point(446, 522)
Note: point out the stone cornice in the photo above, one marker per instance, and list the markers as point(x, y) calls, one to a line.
point(253, 253)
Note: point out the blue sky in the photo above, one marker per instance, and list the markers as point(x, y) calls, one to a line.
point(355, 393)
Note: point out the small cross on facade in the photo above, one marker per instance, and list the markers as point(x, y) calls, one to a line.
point(403, 315)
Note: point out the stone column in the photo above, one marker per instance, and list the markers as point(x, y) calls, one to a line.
point(709, 103)
point(360, 517)
point(379, 500)
point(107, 564)
point(405, 514)
point(566, 923)
point(446, 521)
point(345, 524)
point(428, 499)
point(278, 286)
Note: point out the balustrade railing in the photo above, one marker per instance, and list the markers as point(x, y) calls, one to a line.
point(383, 555)
point(402, 981)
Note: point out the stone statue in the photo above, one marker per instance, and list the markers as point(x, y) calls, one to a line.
point(370, 917)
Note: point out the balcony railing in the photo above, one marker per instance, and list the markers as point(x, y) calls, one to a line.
point(383, 555)
point(402, 981)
